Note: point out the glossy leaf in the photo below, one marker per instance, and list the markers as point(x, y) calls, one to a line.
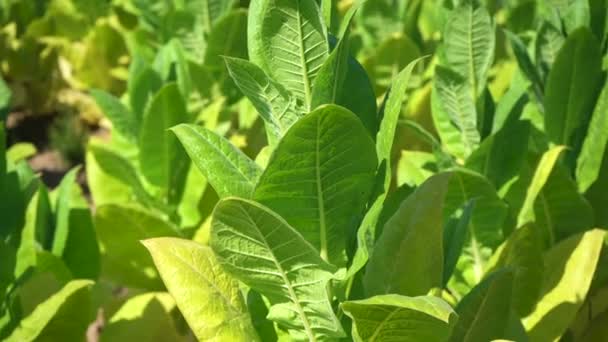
point(571, 89)
point(319, 179)
point(484, 312)
point(595, 145)
point(209, 299)
point(262, 250)
point(400, 318)
point(569, 270)
point(228, 170)
point(406, 259)
point(162, 161)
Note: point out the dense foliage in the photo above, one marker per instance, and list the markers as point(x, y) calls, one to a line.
point(292, 170)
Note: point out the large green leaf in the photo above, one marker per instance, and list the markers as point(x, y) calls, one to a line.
point(468, 43)
point(541, 175)
point(560, 211)
point(572, 87)
point(209, 299)
point(454, 113)
point(595, 145)
point(145, 317)
point(407, 258)
point(124, 259)
point(162, 161)
point(288, 39)
point(484, 312)
point(228, 170)
point(523, 253)
point(228, 38)
point(144, 82)
point(63, 316)
point(569, 269)
point(485, 229)
point(549, 41)
point(400, 318)
point(272, 101)
point(320, 178)
point(262, 250)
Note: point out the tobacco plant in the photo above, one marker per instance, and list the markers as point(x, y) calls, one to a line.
point(316, 243)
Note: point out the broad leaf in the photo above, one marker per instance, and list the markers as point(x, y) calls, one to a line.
point(569, 269)
point(162, 160)
point(272, 101)
point(124, 259)
point(570, 91)
point(407, 259)
point(262, 250)
point(541, 175)
point(454, 113)
point(484, 312)
point(228, 38)
point(63, 316)
point(320, 178)
point(549, 42)
point(145, 317)
point(288, 39)
point(394, 317)
point(455, 233)
point(469, 42)
point(228, 170)
point(209, 299)
point(595, 145)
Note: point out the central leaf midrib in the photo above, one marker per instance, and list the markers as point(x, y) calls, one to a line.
point(294, 298)
point(305, 78)
point(320, 199)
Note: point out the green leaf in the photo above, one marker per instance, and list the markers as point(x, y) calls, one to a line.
point(143, 83)
point(319, 179)
point(560, 211)
point(288, 39)
point(541, 175)
point(81, 254)
point(209, 299)
point(263, 251)
point(272, 101)
point(502, 155)
point(407, 259)
point(228, 170)
point(485, 230)
point(595, 145)
point(62, 222)
point(210, 11)
point(526, 65)
point(65, 316)
point(122, 119)
point(117, 168)
point(227, 38)
point(484, 312)
point(393, 317)
point(145, 317)
point(124, 259)
point(5, 99)
point(20, 151)
point(549, 42)
point(162, 161)
point(393, 54)
point(454, 237)
point(454, 113)
point(523, 253)
point(569, 269)
point(469, 42)
point(571, 89)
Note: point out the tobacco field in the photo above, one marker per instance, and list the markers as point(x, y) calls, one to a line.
point(304, 170)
